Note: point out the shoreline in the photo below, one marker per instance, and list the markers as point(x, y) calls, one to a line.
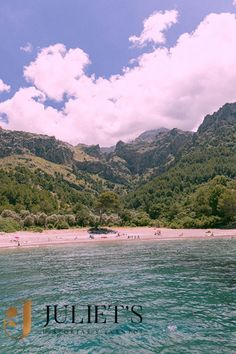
point(29, 239)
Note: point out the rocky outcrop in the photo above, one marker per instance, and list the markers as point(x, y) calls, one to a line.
point(102, 169)
point(218, 128)
point(141, 156)
point(93, 150)
point(48, 148)
point(224, 118)
point(151, 135)
point(152, 153)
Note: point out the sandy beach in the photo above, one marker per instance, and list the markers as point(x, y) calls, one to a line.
point(24, 239)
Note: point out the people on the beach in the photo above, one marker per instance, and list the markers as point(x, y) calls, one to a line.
point(32, 240)
point(133, 237)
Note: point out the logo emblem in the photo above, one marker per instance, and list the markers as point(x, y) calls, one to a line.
point(9, 323)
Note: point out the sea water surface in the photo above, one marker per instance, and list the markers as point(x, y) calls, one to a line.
point(187, 290)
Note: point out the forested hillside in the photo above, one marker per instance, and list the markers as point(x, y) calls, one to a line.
point(164, 177)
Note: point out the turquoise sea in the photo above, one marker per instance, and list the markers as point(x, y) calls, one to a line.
point(187, 290)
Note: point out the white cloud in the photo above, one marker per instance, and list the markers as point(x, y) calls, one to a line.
point(26, 111)
point(173, 87)
point(56, 70)
point(27, 48)
point(154, 27)
point(4, 87)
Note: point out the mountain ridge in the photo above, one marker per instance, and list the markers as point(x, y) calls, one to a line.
point(157, 176)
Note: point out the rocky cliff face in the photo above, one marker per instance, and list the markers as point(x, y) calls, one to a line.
point(218, 129)
point(49, 148)
point(223, 119)
point(137, 158)
point(143, 155)
point(151, 135)
point(93, 150)
point(152, 153)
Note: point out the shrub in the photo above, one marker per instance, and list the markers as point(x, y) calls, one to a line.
point(10, 214)
point(51, 220)
point(61, 218)
point(141, 219)
point(50, 226)
point(24, 213)
point(28, 221)
point(70, 219)
point(210, 221)
point(41, 219)
point(61, 225)
point(36, 229)
point(187, 222)
point(84, 218)
point(9, 225)
point(112, 219)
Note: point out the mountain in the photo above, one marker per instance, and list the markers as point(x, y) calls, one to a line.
point(162, 177)
point(223, 119)
point(150, 135)
point(17, 143)
point(107, 150)
point(143, 156)
point(198, 190)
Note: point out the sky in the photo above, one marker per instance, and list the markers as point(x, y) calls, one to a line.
point(97, 72)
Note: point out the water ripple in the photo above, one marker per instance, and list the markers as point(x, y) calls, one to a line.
point(186, 289)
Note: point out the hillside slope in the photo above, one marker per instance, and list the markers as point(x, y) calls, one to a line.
point(161, 177)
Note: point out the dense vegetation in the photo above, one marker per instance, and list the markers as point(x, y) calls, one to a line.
point(175, 179)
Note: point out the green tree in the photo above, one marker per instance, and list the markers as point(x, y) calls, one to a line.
point(10, 214)
point(9, 225)
point(41, 219)
point(227, 205)
point(28, 221)
point(85, 218)
point(70, 219)
point(62, 224)
point(107, 202)
point(52, 220)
